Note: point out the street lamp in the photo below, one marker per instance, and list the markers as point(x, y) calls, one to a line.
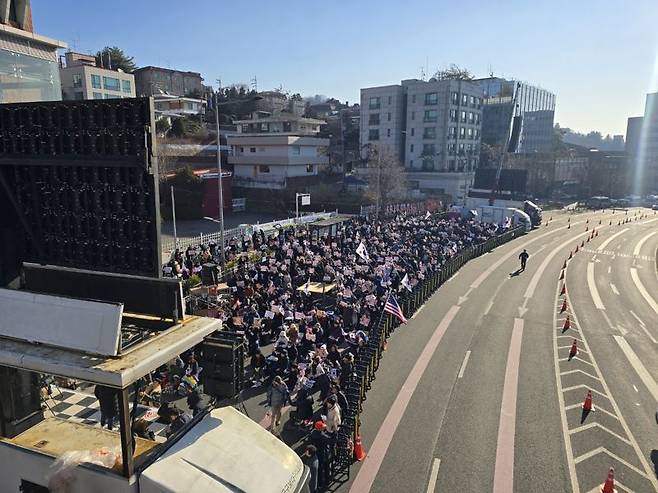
point(220, 199)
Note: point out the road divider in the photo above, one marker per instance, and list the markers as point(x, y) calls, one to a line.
point(638, 366)
point(593, 290)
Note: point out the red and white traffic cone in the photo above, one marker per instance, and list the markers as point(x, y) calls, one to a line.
point(588, 405)
point(564, 306)
point(359, 453)
point(576, 250)
point(570, 255)
point(609, 485)
point(564, 265)
point(562, 275)
point(574, 349)
point(567, 324)
point(563, 291)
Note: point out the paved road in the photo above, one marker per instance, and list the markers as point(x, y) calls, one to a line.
point(477, 394)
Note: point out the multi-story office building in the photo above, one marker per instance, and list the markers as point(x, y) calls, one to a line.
point(156, 80)
point(534, 105)
point(82, 78)
point(28, 61)
point(642, 148)
point(433, 128)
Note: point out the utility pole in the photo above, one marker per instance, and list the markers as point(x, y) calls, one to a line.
point(220, 188)
point(173, 214)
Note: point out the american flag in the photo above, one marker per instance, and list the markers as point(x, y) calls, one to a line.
point(391, 306)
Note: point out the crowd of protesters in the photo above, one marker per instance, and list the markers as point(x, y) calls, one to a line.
point(316, 334)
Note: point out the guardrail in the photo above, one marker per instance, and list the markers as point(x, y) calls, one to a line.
point(367, 360)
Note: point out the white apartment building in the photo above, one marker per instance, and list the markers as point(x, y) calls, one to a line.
point(433, 128)
point(83, 79)
point(275, 152)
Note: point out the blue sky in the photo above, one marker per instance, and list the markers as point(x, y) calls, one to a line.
point(599, 57)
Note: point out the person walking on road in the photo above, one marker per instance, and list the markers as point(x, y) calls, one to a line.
point(277, 397)
point(523, 257)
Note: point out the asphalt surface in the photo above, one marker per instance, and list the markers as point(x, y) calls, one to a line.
point(452, 436)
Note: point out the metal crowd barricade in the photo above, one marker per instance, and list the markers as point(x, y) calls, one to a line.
point(370, 356)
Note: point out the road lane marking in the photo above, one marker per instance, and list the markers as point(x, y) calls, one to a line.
point(637, 365)
point(489, 307)
point(366, 475)
point(609, 269)
point(650, 221)
point(593, 290)
point(504, 469)
point(643, 291)
point(590, 426)
point(431, 486)
point(641, 243)
point(464, 363)
point(598, 450)
point(614, 289)
point(635, 388)
point(636, 317)
point(607, 242)
point(419, 310)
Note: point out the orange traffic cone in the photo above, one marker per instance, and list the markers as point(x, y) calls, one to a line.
point(564, 266)
point(609, 485)
point(563, 290)
point(567, 324)
point(574, 349)
point(576, 250)
point(587, 405)
point(564, 306)
point(586, 228)
point(597, 234)
point(587, 222)
point(569, 227)
point(562, 276)
point(610, 223)
point(359, 453)
point(570, 255)
point(588, 238)
point(582, 245)
point(568, 219)
point(599, 222)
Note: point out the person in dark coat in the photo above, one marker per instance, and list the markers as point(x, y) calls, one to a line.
point(109, 404)
point(310, 458)
point(321, 440)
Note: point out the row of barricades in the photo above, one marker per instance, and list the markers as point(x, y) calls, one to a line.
point(348, 447)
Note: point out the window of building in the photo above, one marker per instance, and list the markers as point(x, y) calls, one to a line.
point(78, 96)
point(373, 119)
point(77, 80)
point(472, 100)
point(411, 148)
point(451, 149)
point(373, 134)
point(109, 96)
point(413, 99)
point(261, 149)
point(251, 149)
point(309, 168)
point(429, 133)
point(263, 168)
point(413, 131)
point(388, 116)
point(470, 133)
point(455, 98)
point(462, 132)
point(413, 115)
point(471, 117)
point(125, 85)
point(476, 134)
point(375, 103)
point(462, 115)
point(429, 150)
point(464, 99)
point(469, 148)
point(452, 132)
point(388, 132)
point(430, 116)
point(296, 150)
point(98, 95)
point(461, 149)
point(453, 115)
point(111, 84)
point(389, 99)
point(411, 163)
point(431, 98)
point(96, 81)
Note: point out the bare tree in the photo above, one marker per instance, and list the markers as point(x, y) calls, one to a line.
point(453, 72)
point(387, 182)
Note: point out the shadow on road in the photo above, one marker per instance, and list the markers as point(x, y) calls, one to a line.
point(584, 415)
point(654, 459)
point(516, 272)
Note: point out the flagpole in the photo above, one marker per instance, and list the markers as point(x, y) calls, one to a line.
point(388, 295)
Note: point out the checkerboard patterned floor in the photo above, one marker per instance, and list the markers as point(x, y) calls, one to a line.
point(83, 408)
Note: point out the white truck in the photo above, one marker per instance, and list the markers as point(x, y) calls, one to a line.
point(498, 215)
point(219, 450)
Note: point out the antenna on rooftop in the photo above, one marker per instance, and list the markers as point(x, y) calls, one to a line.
point(490, 70)
point(254, 83)
point(422, 73)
